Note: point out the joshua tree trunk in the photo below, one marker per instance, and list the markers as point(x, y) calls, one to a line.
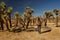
point(45, 22)
point(9, 15)
point(39, 29)
point(27, 24)
point(1, 22)
point(56, 20)
point(7, 24)
point(2, 9)
point(16, 18)
point(10, 20)
point(56, 13)
point(16, 24)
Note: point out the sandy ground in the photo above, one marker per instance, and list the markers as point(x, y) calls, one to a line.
point(54, 34)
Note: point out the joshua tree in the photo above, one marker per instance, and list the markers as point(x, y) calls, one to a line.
point(16, 18)
point(28, 15)
point(6, 20)
point(9, 15)
point(39, 24)
point(56, 13)
point(32, 20)
point(47, 16)
point(2, 9)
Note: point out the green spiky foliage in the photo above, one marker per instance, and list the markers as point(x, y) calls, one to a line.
point(56, 11)
point(28, 11)
point(48, 14)
point(3, 5)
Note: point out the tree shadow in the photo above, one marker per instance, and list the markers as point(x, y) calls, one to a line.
point(46, 31)
point(17, 30)
point(31, 29)
point(58, 26)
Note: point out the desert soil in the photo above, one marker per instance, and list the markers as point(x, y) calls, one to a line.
point(54, 34)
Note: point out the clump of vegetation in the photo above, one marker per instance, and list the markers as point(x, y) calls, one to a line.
point(5, 17)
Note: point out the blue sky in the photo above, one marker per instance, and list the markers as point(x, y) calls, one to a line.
point(39, 6)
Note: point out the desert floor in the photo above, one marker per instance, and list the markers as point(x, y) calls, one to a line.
point(54, 34)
